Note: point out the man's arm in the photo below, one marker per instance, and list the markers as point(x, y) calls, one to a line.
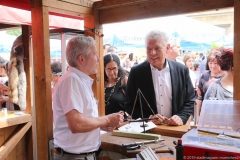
point(78, 123)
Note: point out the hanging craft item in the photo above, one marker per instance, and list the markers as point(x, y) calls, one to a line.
point(17, 75)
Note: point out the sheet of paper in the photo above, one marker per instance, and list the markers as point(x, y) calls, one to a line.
point(137, 127)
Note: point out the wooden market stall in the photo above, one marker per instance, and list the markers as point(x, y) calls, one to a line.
point(26, 137)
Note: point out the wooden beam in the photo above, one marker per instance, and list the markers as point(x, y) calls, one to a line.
point(42, 78)
point(8, 26)
point(236, 56)
point(106, 4)
point(28, 69)
point(85, 3)
point(63, 7)
point(159, 8)
point(6, 148)
point(100, 74)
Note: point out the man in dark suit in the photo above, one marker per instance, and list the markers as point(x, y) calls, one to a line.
point(167, 92)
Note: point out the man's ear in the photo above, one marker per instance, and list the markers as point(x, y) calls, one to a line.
point(168, 46)
point(81, 59)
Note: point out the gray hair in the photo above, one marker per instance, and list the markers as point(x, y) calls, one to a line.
point(174, 41)
point(78, 46)
point(3, 62)
point(56, 67)
point(156, 34)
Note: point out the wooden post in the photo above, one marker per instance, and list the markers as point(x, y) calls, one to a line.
point(236, 55)
point(26, 43)
point(93, 28)
point(28, 69)
point(42, 79)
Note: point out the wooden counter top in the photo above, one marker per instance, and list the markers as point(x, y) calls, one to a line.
point(114, 143)
point(13, 119)
point(172, 131)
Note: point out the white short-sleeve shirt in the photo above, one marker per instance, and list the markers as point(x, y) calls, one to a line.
point(74, 91)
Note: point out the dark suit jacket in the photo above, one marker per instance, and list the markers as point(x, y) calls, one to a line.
point(183, 94)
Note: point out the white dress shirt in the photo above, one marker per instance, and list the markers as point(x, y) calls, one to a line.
point(163, 90)
point(74, 91)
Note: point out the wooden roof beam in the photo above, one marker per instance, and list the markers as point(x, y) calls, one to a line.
point(73, 8)
point(106, 4)
point(156, 8)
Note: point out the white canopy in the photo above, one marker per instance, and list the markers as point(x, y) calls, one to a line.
point(185, 28)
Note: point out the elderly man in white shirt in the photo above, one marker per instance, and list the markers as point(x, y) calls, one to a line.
point(75, 110)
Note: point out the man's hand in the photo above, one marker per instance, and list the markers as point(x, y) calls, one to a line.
point(175, 121)
point(115, 119)
point(4, 99)
point(107, 129)
point(160, 120)
point(3, 89)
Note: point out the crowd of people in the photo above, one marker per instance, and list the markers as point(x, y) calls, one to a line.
point(164, 88)
point(203, 71)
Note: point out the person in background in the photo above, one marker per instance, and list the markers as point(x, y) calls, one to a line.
point(3, 72)
point(115, 84)
point(165, 84)
point(4, 99)
point(201, 56)
point(188, 61)
point(196, 66)
point(214, 47)
point(105, 48)
point(56, 68)
point(174, 50)
point(112, 49)
point(127, 66)
point(213, 73)
point(75, 110)
point(222, 89)
point(3, 83)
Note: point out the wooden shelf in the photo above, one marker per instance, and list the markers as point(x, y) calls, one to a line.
point(14, 120)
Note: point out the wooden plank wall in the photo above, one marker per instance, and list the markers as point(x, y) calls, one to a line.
point(236, 50)
point(13, 142)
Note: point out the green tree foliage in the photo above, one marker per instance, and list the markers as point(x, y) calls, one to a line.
point(14, 32)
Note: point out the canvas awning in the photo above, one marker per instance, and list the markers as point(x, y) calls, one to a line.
point(194, 35)
point(18, 16)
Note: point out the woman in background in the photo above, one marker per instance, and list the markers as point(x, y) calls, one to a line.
point(222, 89)
point(115, 82)
point(214, 72)
point(188, 61)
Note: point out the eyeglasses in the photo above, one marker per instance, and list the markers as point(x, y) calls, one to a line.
point(57, 74)
point(111, 69)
